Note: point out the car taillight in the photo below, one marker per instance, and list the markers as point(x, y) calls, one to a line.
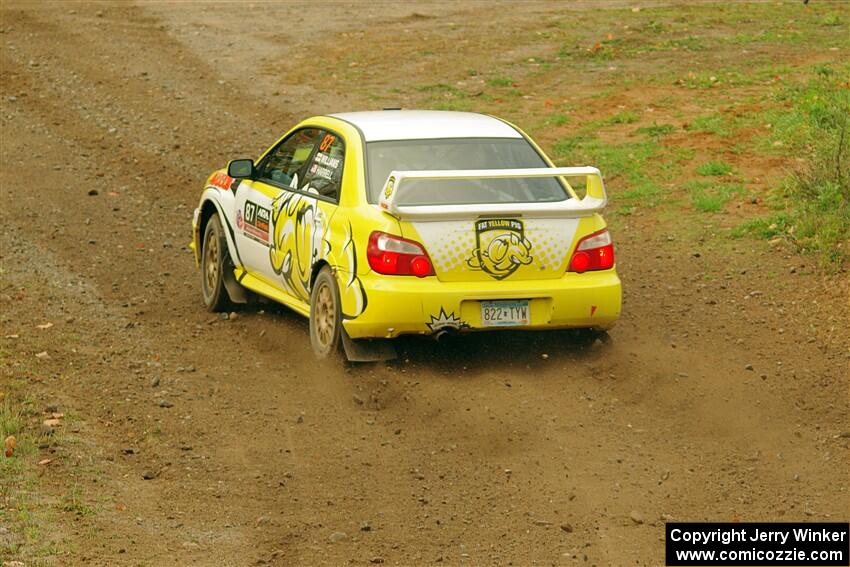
point(594, 252)
point(396, 256)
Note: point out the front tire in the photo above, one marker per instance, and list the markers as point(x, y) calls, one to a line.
point(215, 259)
point(325, 315)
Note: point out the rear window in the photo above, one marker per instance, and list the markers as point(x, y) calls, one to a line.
point(466, 153)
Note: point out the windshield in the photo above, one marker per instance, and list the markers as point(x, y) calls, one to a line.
point(463, 153)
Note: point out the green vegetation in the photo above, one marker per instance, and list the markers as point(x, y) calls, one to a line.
point(440, 88)
point(710, 197)
point(768, 36)
point(19, 485)
point(820, 196)
point(764, 227)
point(625, 117)
point(627, 160)
point(656, 130)
point(557, 120)
point(633, 166)
point(645, 192)
point(688, 43)
point(10, 420)
point(832, 20)
point(442, 96)
point(605, 50)
point(714, 168)
point(73, 502)
point(712, 124)
point(500, 82)
point(739, 108)
point(816, 196)
point(462, 105)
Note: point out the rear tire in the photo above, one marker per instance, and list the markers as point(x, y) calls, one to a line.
point(215, 259)
point(325, 315)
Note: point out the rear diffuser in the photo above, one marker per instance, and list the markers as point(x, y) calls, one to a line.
point(367, 350)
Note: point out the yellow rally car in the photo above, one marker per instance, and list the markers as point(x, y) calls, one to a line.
point(378, 224)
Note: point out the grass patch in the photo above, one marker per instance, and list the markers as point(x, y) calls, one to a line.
point(708, 203)
point(714, 168)
point(709, 197)
point(687, 43)
point(24, 512)
point(764, 227)
point(712, 124)
point(626, 160)
point(816, 197)
point(73, 502)
point(461, 105)
point(809, 109)
point(604, 50)
point(566, 147)
point(733, 77)
point(440, 88)
point(442, 96)
point(11, 419)
point(656, 130)
point(633, 166)
point(500, 82)
point(704, 80)
point(625, 117)
point(645, 192)
point(683, 154)
point(820, 196)
point(832, 20)
point(625, 210)
point(767, 36)
point(557, 120)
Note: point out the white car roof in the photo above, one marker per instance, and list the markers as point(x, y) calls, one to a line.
point(382, 125)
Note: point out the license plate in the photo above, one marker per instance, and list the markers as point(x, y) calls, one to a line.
point(505, 313)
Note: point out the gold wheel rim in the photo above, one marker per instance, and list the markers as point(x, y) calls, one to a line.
point(211, 261)
point(325, 315)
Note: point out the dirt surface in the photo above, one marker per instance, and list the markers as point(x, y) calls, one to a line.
point(190, 439)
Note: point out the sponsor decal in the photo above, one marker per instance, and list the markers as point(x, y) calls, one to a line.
point(500, 247)
point(321, 172)
point(446, 321)
point(327, 161)
point(222, 181)
point(388, 190)
point(353, 294)
point(327, 142)
point(298, 240)
point(255, 222)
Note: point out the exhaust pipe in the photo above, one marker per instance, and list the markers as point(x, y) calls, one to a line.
point(443, 334)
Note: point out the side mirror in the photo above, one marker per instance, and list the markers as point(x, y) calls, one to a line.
point(240, 168)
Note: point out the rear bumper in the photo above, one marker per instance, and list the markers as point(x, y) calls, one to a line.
point(409, 305)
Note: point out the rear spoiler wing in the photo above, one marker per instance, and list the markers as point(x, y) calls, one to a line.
point(593, 202)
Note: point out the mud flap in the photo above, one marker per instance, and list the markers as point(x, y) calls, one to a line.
point(367, 350)
point(236, 292)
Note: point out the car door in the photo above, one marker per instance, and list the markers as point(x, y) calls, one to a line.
point(278, 172)
point(296, 190)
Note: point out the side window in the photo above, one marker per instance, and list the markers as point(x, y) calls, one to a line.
point(324, 174)
point(289, 157)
